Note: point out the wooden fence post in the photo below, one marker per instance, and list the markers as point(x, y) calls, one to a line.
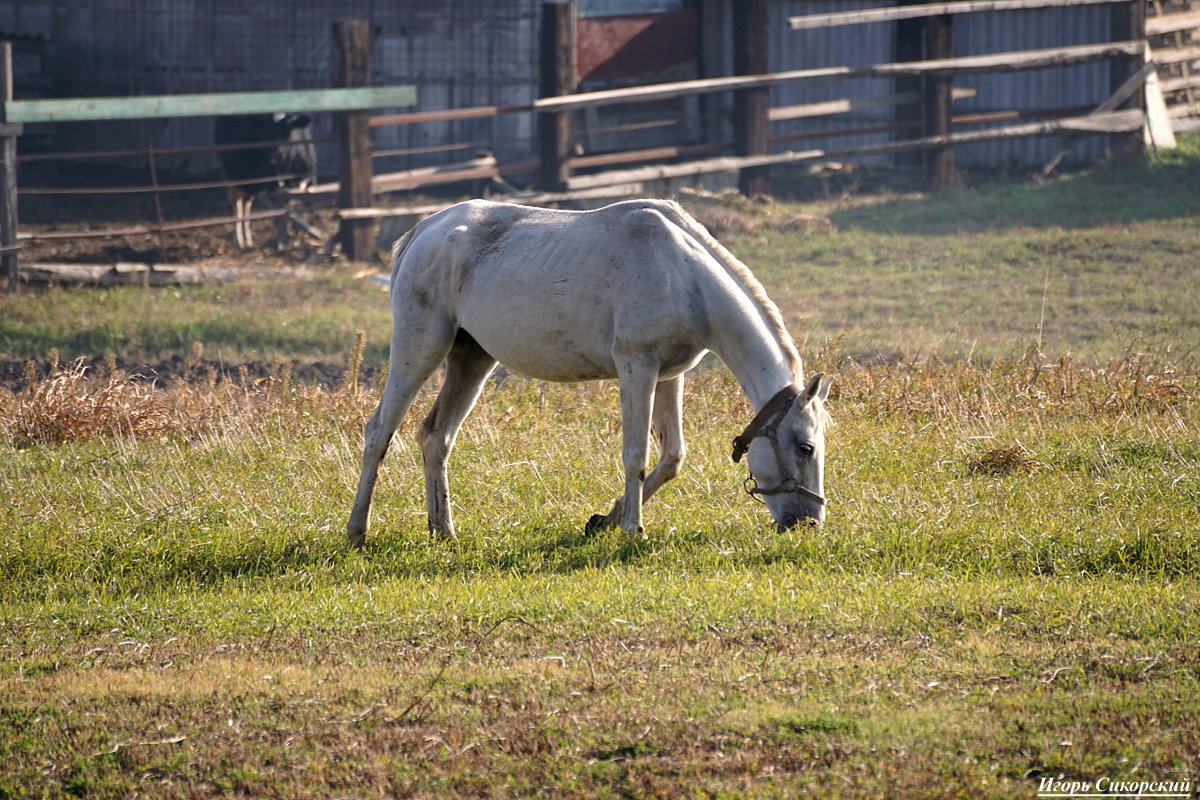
point(938, 103)
point(710, 63)
point(558, 78)
point(910, 46)
point(352, 68)
point(751, 107)
point(1128, 24)
point(9, 263)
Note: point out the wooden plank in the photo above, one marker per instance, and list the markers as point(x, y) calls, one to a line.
point(11, 129)
point(147, 230)
point(1159, 132)
point(83, 109)
point(847, 105)
point(128, 274)
point(1009, 61)
point(446, 115)
point(663, 91)
point(810, 21)
point(649, 154)
point(1175, 55)
point(558, 78)
point(994, 62)
point(1180, 83)
point(420, 176)
point(1128, 21)
point(1170, 23)
point(938, 103)
point(525, 198)
point(1124, 121)
point(665, 171)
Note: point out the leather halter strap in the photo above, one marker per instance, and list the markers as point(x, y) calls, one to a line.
point(779, 402)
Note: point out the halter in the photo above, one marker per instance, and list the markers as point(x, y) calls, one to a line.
point(766, 423)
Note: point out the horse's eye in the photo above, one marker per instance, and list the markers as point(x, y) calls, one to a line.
point(806, 449)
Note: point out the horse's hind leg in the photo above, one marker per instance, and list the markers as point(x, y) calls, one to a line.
point(416, 352)
point(467, 367)
point(667, 426)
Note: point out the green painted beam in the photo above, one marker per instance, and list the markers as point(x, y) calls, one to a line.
point(82, 109)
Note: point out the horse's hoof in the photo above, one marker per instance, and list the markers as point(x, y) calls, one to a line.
point(596, 523)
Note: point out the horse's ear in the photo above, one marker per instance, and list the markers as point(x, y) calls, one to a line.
point(812, 389)
point(823, 392)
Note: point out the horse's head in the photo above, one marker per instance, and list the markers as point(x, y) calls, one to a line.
point(785, 451)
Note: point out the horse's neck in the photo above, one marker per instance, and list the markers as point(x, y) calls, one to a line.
point(751, 350)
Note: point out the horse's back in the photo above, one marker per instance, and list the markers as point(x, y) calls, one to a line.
point(551, 293)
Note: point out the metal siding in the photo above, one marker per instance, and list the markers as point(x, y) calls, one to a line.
point(458, 52)
point(476, 52)
point(1059, 87)
point(848, 45)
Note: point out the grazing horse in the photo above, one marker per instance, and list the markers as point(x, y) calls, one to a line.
point(637, 291)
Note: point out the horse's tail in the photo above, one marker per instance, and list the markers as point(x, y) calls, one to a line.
point(398, 248)
point(741, 274)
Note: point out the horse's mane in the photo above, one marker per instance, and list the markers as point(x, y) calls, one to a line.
point(741, 275)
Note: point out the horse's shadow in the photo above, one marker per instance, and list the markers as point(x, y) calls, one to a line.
point(573, 551)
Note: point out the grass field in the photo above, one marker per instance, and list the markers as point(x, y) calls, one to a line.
point(1006, 590)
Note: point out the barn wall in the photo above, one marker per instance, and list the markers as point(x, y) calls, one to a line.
point(458, 52)
point(850, 46)
point(1061, 87)
point(484, 52)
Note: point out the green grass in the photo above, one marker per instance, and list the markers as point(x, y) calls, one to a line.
point(310, 321)
point(180, 616)
point(942, 635)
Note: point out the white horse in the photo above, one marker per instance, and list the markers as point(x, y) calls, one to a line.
point(636, 291)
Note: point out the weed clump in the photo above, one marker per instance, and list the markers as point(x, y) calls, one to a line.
point(1003, 461)
point(71, 405)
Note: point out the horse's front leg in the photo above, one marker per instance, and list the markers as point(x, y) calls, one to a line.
point(667, 425)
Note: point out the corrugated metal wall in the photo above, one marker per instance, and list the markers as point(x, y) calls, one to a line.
point(851, 46)
point(1060, 87)
point(484, 52)
point(459, 52)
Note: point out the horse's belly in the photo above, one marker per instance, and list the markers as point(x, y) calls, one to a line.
point(547, 326)
point(550, 356)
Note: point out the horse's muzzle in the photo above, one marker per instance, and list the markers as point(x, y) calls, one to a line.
point(789, 522)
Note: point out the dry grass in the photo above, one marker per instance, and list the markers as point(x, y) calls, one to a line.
point(1137, 381)
point(71, 405)
point(75, 402)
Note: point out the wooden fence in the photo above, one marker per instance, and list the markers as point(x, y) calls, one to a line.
point(932, 129)
point(561, 173)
